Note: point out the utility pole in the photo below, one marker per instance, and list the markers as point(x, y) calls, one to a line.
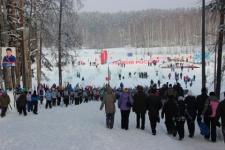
point(60, 42)
point(203, 45)
point(220, 48)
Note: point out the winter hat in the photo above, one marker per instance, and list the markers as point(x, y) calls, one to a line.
point(126, 90)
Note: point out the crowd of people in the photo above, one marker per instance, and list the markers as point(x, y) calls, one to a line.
point(169, 103)
point(175, 107)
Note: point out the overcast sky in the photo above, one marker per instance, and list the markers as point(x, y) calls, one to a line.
point(127, 5)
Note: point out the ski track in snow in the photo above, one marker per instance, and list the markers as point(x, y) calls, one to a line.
point(83, 128)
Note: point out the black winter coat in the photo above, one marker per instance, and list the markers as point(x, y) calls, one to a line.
point(181, 111)
point(154, 104)
point(170, 109)
point(22, 100)
point(201, 99)
point(191, 105)
point(220, 113)
point(139, 105)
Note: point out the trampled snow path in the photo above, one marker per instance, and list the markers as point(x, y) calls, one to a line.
point(83, 128)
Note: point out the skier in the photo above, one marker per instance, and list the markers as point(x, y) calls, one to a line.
point(139, 107)
point(125, 103)
point(109, 100)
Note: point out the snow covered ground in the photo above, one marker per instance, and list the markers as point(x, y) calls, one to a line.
point(96, 76)
point(83, 128)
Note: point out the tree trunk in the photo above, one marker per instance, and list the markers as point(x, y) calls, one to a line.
point(22, 47)
point(219, 52)
point(203, 45)
point(60, 46)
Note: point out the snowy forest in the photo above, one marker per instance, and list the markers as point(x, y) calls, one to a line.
point(147, 28)
point(31, 25)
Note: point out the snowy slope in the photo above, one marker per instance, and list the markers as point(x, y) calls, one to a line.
point(96, 76)
point(83, 128)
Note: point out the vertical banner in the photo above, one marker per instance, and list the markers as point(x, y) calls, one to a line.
point(104, 56)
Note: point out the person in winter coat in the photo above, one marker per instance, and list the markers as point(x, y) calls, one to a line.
point(169, 110)
point(66, 97)
point(180, 117)
point(48, 97)
point(139, 107)
point(170, 92)
point(109, 100)
point(154, 104)
point(41, 95)
point(29, 102)
point(54, 96)
point(209, 112)
point(4, 102)
point(200, 101)
point(35, 99)
point(220, 113)
point(22, 101)
point(191, 106)
point(125, 103)
point(179, 89)
point(59, 96)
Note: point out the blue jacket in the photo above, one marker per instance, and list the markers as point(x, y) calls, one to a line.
point(48, 95)
point(123, 100)
point(9, 61)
